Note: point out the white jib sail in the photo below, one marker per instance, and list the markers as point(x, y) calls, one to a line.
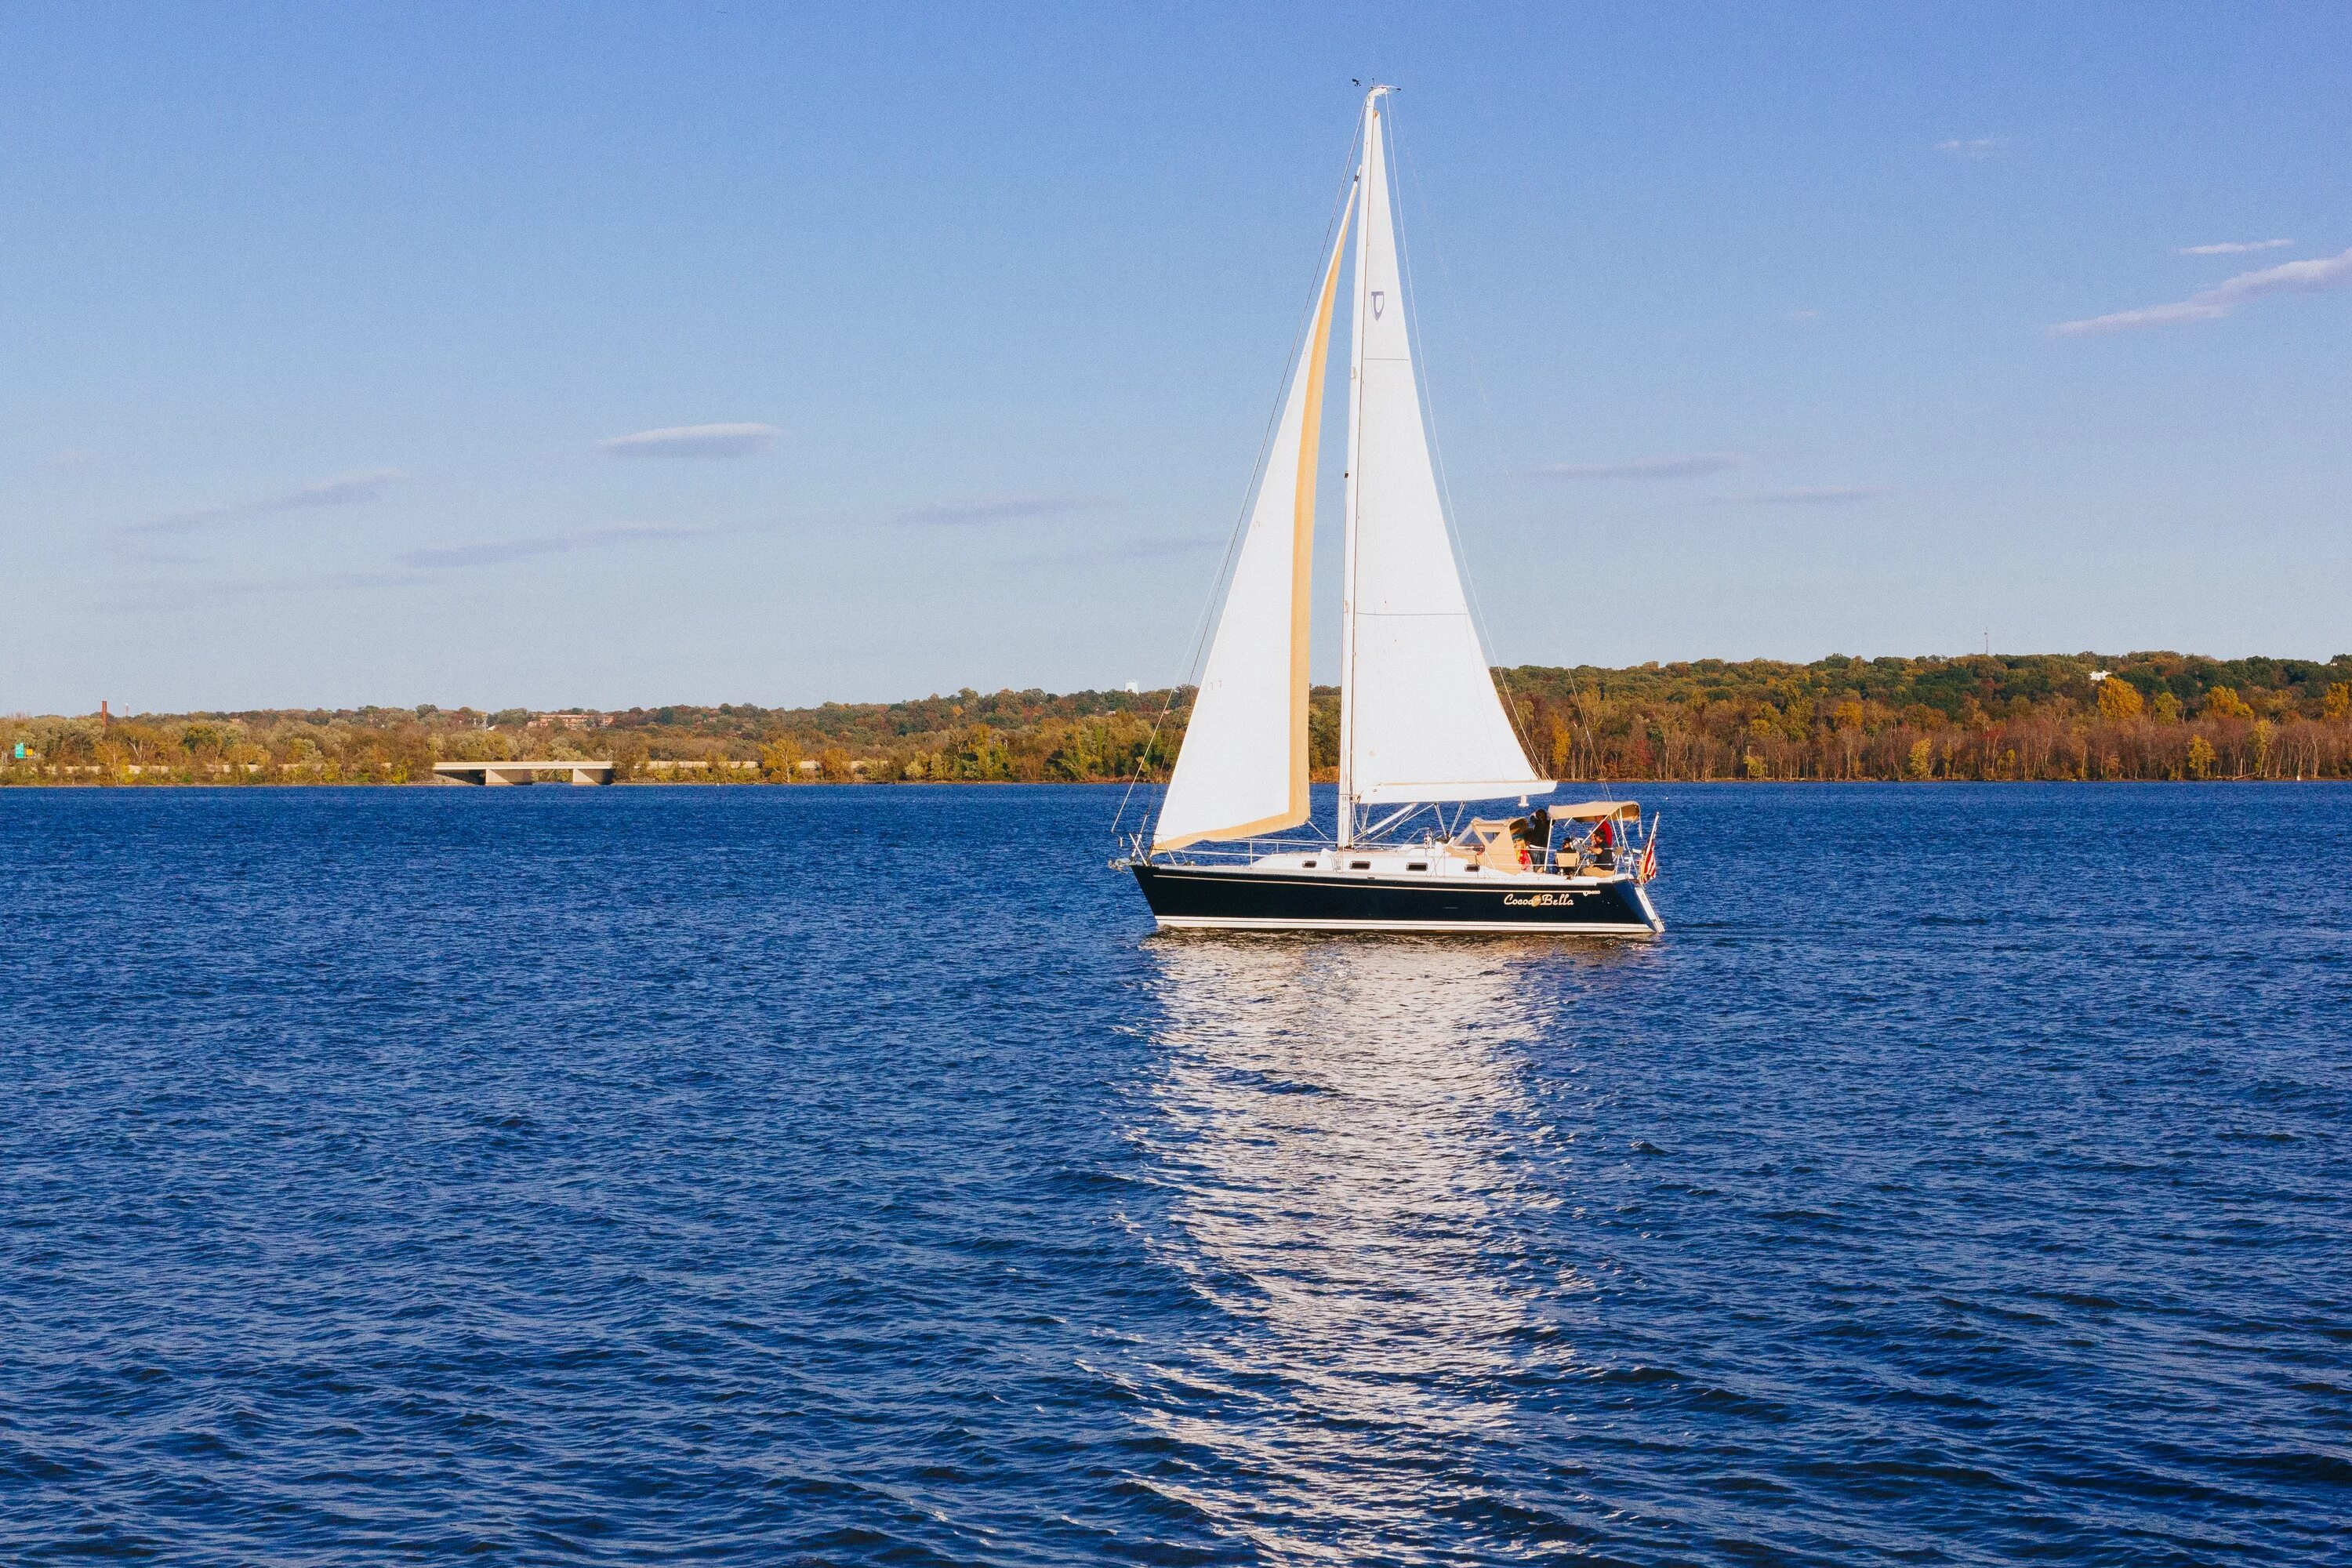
point(1242, 766)
point(1423, 722)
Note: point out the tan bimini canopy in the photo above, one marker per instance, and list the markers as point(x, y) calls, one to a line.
point(1597, 811)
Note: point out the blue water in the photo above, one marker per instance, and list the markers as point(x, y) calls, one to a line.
point(846, 1175)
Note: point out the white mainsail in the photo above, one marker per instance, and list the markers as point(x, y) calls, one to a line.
point(1242, 768)
point(1421, 721)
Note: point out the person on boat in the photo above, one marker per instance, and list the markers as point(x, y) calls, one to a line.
point(1533, 833)
point(1602, 843)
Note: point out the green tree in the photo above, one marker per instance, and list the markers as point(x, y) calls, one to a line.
point(982, 756)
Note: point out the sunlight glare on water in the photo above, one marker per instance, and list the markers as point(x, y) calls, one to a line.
point(1344, 1203)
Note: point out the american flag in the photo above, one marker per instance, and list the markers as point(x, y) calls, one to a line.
point(1649, 866)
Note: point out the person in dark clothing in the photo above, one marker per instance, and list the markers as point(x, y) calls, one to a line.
point(1534, 831)
point(1603, 844)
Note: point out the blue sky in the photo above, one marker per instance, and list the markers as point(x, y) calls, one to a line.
point(323, 330)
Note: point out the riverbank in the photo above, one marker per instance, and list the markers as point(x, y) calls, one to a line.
point(2019, 717)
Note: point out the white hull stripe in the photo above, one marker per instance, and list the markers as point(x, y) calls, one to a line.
point(1277, 923)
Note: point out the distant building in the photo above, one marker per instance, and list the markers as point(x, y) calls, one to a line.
point(569, 720)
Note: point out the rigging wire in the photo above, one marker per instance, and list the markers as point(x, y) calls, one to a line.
point(1222, 580)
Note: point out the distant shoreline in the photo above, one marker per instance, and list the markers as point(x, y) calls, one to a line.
point(1995, 717)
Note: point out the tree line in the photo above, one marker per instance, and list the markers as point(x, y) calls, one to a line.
point(2045, 716)
point(2148, 716)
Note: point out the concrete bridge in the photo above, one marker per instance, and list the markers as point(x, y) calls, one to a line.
point(519, 772)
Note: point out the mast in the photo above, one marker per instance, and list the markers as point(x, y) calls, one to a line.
point(1371, 139)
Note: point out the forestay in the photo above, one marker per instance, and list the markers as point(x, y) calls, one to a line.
point(1424, 722)
point(1242, 768)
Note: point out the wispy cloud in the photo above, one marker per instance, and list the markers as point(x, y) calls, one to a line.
point(1118, 551)
point(1679, 466)
point(1969, 147)
point(499, 552)
point(181, 595)
point(73, 457)
point(2222, 298)
point(344, 490)
point(996, 508)
point(409, 570)
point(693, 441)
point(2233, 247)
point(1811, 495)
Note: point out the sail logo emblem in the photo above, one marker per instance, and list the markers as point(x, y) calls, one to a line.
point(1378, 296)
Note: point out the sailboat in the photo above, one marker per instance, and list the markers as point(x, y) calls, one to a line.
point(1423, 734)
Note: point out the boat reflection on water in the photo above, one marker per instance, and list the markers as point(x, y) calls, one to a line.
point(1343, 1123)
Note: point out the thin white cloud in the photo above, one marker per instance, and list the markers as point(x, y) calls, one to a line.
point(499, 551)
point(181, 595)
point(344, 490)
point(1159, 548)
point(693, 441)
point(409, 570)
point(73, 457)
point(996, 508)
point(2233, 247)
point(1969, 147)
point(1675, 466)
point(2223, 299)
point(1813, 495)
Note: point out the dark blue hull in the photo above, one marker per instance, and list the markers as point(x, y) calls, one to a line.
point(1247, 899)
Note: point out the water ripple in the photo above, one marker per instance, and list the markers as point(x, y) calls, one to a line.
point(844, 1175)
